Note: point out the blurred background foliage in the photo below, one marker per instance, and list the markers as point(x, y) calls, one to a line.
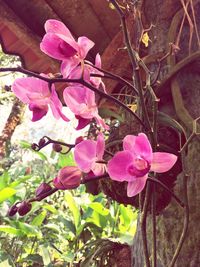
point(69, 228)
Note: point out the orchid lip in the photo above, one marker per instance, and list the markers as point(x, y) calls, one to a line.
point(139, 168)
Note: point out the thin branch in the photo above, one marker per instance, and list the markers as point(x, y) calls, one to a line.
point(186, 212)
point(80, 81)
point(110, 75)
point(143, 225)
point(38, 147)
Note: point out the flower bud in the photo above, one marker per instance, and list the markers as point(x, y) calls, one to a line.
point(34, 146)
point(42, 142)
point(13, 210)
point(79, 139)
point(57, 147)
point(43, 189)
point(24, 208)
point(68, 178)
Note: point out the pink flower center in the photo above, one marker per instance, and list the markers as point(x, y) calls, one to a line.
point(139, 167)
point(66, 49)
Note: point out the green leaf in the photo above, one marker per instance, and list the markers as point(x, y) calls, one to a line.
point(24, 144)
point(46, 256)
point(105, 113)
point(4, 180)
point(6, 193)
point(6, 260)
point(66, 160)
point(73, 208)
point(168, 121)
point(6, 263)
point(20, 181)
point(38, 220)
point(29, 230)
point(35, 258)
point(98, 207)
point(50, 208)
point(11, 230)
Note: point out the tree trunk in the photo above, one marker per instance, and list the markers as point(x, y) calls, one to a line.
point(184, 105)
point(13, 120)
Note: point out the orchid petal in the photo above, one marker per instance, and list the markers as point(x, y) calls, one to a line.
point(67, 66)
point(85, 154)
point(136, 186)
point(139, 146)
point(118, 166)
point(82, 123)
point(56, 106)
point(98, 61)
point(55, 47)
point(85, 45)
point(56, 26)
point(30, 89)
point(101, 122)
point(100, 146)
point(162, 162)
point(79, 99)
point(38, 111)
point(98, 168)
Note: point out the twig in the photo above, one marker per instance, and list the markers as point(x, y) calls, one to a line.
point(186, 216)
point(80, 81)
point(143, 225)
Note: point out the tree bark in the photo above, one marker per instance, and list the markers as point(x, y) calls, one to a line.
point(170, 220)
point(13, 120)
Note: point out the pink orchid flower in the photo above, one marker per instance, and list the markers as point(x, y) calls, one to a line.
point(59, 43)
point(81, 101)
point(87, 154)
point(86, 70)
point(136, 161)
point(37, 95)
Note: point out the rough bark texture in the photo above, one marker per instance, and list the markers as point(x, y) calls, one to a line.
point(170, 221)
point(13, 120)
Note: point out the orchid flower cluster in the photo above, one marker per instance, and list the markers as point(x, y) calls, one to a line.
point(137, 159)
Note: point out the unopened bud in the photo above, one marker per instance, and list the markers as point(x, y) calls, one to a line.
point(68, 178)
point(57, 147)
point(43, 189)
point(34, 146)
point(78, 140)
point(42, 142)
point(13, 210)
point(24, 208)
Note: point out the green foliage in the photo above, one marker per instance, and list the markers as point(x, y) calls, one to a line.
point(61, 229)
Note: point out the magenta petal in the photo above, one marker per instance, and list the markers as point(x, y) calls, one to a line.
point(56, 106)
point(98, 61)
point(162, 161)
point(30, 89)
point(139, 146)
point(56, 26)
point(100, 146)
point(82, 123)
point(129, 142)
point(85, 155)
point(118, 166)
point(136, 186)
point(98, 168)
point(53, 46)
point(80, 101)
point(38, 112)
point(69, 65)
point(101, 122)
point(85, 45)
